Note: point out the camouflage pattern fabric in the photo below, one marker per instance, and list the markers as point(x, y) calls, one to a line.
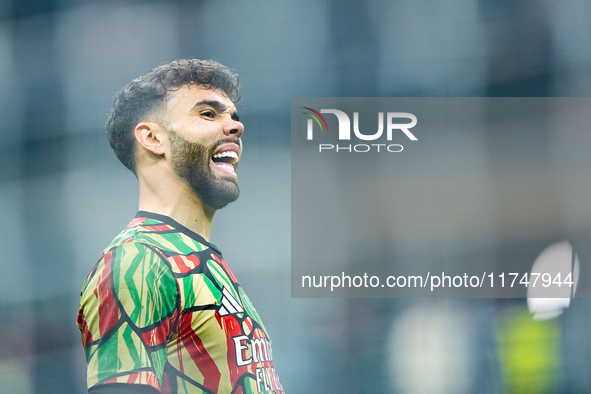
point(162, 308)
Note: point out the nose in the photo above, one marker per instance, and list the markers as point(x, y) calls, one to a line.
point(234, 128)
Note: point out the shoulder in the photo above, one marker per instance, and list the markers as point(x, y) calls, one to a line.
point(130, 273)
point(128, 257)
point(131, 282)
point(133, 248)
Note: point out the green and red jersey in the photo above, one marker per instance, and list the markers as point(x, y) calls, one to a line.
point(161, 308)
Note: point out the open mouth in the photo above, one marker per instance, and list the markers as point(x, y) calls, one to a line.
point(226, 161)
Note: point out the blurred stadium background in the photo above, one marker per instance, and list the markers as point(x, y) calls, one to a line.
point(63, 195)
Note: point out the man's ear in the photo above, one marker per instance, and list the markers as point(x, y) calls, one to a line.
point(150, 135)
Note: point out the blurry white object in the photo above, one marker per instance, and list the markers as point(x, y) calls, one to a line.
point(556, 271)
point(430, 349)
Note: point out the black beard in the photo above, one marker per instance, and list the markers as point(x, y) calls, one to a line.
point(191, 162)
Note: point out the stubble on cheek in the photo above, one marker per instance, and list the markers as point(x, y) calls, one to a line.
point(191, 163)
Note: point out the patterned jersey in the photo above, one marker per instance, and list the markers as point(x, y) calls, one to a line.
point(162, 308)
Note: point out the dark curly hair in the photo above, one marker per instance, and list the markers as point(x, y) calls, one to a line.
point(146, 95)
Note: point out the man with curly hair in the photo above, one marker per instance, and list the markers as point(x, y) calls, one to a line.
point(161, 311)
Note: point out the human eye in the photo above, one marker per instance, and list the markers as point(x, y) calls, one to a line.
point(208, 113)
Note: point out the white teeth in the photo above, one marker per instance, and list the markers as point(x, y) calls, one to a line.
point(227, 166)
point(229, 153)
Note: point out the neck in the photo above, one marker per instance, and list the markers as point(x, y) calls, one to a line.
point(173, 198)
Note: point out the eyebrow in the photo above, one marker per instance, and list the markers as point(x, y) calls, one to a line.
point(218, 106)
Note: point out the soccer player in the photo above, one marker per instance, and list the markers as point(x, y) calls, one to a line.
point(161, 311)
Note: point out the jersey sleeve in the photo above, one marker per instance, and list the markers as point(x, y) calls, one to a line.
point(128, 309)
